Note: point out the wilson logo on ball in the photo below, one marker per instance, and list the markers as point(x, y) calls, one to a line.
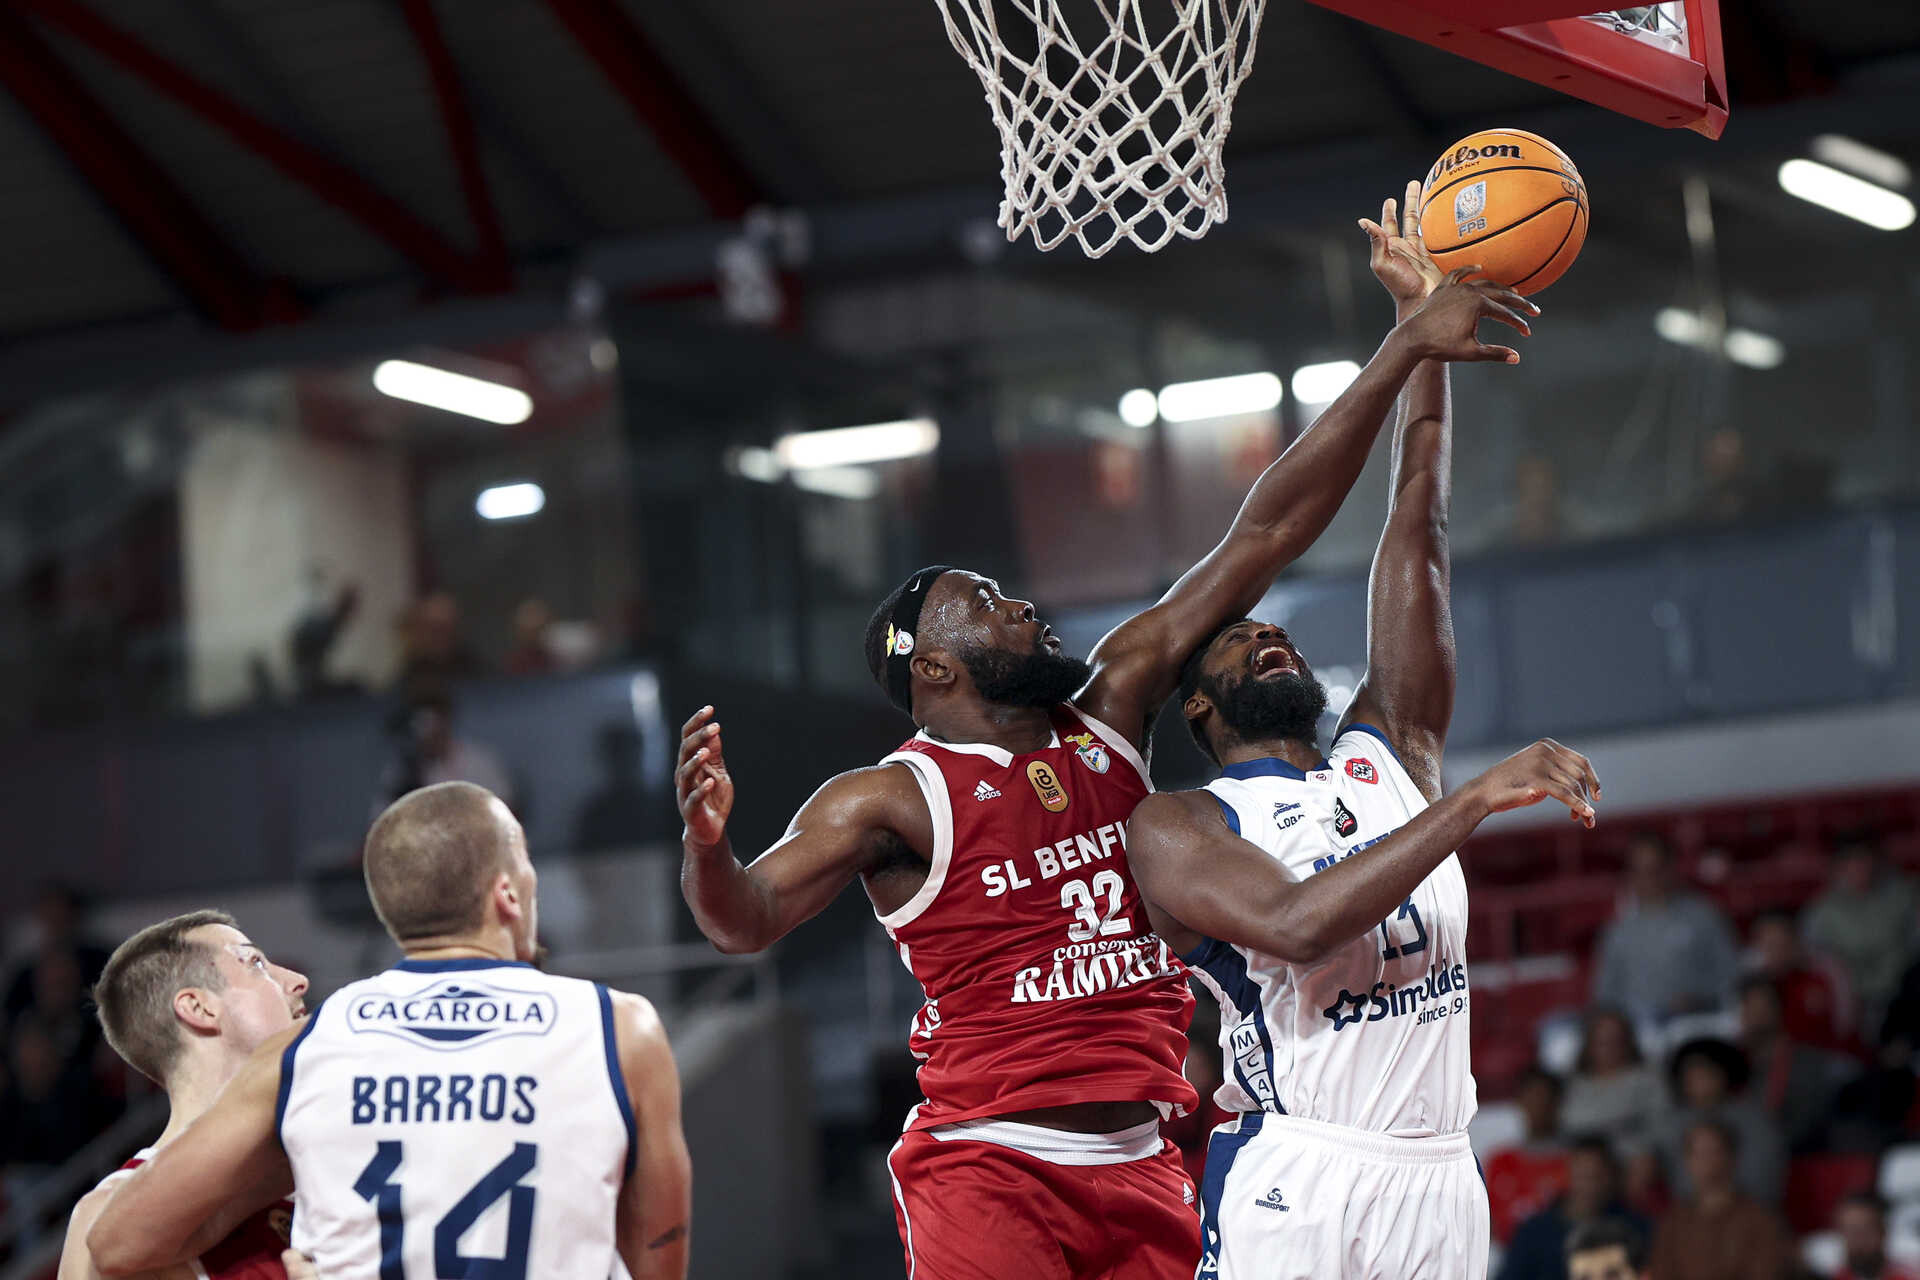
point(1467, 155)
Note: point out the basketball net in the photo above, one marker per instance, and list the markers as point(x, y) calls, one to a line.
point(1117, 140)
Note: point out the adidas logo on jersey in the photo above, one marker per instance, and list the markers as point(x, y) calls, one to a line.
point(1274, 1200)
point(985, 792)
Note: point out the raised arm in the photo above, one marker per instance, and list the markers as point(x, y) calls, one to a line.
point(854, 822)
point(655, 1213)
point(1202, 878)
point(1289, 506)
point(1408, 689)
point(227, 1165)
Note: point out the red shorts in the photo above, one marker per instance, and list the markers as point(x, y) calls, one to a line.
point(972, 1210)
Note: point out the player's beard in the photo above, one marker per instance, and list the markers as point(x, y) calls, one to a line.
point(1286, 706)
point(1041, 678)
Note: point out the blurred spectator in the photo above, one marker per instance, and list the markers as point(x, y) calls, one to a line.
point(1794, 1082)
point(1613, 1091)
point(530, 654)
point(1608, 1249)
point(1816, 1006)
point(49, 1107)
point(1861, 1221)
point(1708, 1077)
point(1541, 1246)
point(1900, 1029)
point(1717, 1232)
point(1865, 920)
point(58, 955)
point(1667, 951)
point(315, 632)
point(1538, 520)
point(426, 751)
point(623, 811)
point(432, 652)
point(1524, 1179)
point(1727, 492)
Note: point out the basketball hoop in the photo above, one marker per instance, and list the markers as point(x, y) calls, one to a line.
point(1121, 138)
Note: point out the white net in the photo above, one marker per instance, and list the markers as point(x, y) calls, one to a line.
point(1119, 137)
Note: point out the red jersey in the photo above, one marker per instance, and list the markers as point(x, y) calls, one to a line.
point(251, 1250)
point(1044, 983)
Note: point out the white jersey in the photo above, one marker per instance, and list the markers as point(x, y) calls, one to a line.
point(1375, 1036)
point(457, 1118)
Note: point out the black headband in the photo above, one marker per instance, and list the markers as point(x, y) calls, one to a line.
point(901, 631)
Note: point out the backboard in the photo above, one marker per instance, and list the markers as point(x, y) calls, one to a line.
point(1660, 63)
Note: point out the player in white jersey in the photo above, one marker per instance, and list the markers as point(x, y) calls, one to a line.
point(462, 1114)
point(1342, 979)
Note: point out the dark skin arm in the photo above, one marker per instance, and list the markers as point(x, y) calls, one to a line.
point(1201, 880)
point(853, 824)
point(1408, 689)
point(1137, 665)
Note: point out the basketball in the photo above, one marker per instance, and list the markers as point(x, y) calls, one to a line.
point(1510, 201)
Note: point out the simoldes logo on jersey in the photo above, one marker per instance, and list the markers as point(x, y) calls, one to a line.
point(454, 1013)
point(1428, 998)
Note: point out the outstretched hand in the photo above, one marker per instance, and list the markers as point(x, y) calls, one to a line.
point(1544, 771)
point(1397, 253)
point(1446, 325)
point(702, 784)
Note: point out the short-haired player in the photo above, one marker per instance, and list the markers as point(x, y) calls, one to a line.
point(186, 1001)
point(1317, 896)
point(463, 1086)
point(992, 846)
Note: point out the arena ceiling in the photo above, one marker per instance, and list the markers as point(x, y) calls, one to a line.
point(205, 184)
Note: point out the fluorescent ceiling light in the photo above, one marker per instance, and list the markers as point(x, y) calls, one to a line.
point(751, 462)
point(1683, 327)
point(510, 501)
point(1845, 194)
point(1870, 163)
point(1219, 397)
point(1742, 346)
point(1139, 407)
point(853, 483)
point(1323, 383)
point(849, 446)
point(1755, 350)
point(454, 392)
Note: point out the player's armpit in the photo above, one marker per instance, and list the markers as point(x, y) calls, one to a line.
point(226, 1165)
point(654, 1218)
point(831, 840)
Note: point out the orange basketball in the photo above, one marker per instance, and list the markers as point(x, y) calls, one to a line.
point(1510, 201)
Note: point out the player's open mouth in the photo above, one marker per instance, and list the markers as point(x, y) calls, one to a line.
point(1270, 659)
point(1049, 639)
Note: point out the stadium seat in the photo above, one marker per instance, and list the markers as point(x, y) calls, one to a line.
point(1817, 1183)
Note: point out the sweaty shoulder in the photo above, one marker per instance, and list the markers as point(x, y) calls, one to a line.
point(876, 799)
point(1162, 822)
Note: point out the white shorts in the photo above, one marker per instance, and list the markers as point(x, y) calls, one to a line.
point(1291, 1199)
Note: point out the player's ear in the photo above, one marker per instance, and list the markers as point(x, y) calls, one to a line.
point(197, 1008)
point(506, 898)
point(932, 667)
point(1196, 705)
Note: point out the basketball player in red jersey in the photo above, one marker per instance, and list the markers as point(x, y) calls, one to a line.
point(992, 846)
point(185, 1002)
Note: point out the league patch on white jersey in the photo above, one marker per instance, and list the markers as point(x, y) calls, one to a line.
point(453, 1013)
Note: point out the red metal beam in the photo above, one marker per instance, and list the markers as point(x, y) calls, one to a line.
point(457, 117)
point(188, 248)
point(641, 76)
point(332, 182)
